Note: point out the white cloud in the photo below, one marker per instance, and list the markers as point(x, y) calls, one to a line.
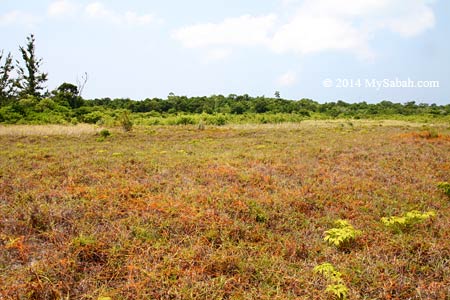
point(287, 79)
point(289, 2)
point(331, 25)
point(98, 11)
point(17, 17)
point(307, 35)
point(217, 54)
point(61, 8)
point(242, 31)
point(414, 21)
point(316, 26)
point(347, 8)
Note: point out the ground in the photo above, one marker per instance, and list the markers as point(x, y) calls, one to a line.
point(231, 212)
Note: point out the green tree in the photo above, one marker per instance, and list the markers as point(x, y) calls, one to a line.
point(67, 94)
point(31, 79)
point(6, 82)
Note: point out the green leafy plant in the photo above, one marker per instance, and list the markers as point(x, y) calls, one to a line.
point(342, 234)
point(444, 187)
point(328, 271)
point(406, 221)
point(336, 287)
point(340, 291)
point(104, 133)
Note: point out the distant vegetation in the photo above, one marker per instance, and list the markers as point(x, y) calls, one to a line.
point(24, 100)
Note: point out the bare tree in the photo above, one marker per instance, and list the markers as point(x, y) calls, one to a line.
point(81, 83)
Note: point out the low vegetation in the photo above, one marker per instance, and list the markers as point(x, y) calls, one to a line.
point(336, 287)
point(224, 212)
point(444, 187)
point(342, 235)
point(407, 221)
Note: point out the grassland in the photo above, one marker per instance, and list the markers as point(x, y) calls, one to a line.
point(231, 212)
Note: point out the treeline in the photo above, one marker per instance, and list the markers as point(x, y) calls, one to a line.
point(24, 99)
point(241, 104)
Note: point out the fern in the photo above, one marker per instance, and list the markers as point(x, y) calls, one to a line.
point(406, 221)
point(328, 271)
point(336, 286)
point(339, 291)
point(342, 235)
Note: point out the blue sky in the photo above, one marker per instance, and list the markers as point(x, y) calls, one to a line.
point(145, 49)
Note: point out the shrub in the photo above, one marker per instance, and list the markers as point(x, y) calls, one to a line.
point(406, 221)
point(9, 115)
point(342, 235)
point(125, 121)
point(185, 120)
point(218, 120)
point(104, 133)
point(93, 117)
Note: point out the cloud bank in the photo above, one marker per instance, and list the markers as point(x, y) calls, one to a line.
point(316, 26)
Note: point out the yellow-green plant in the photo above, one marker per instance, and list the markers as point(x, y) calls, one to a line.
point(444, 187)
point(339, 291)
point(336, 287)
point(328, 271)
point(342, 234)
point(407, 220)
point(125, 121)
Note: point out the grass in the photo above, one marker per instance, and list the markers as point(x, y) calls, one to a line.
point(229, 212)
point(47, 130)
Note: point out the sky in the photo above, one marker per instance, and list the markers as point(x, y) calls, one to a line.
point(325, 50)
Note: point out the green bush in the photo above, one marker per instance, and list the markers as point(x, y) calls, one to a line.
point(9, 115)
point(93, 117)
point(125, 121)
point(342, 235)
point(218, 120)
point(405, 222)
point(185, 120)
point(104, 133)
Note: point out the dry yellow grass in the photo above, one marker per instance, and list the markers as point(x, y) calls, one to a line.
point(332, 124)
point(173, 212)
point(48, 130)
